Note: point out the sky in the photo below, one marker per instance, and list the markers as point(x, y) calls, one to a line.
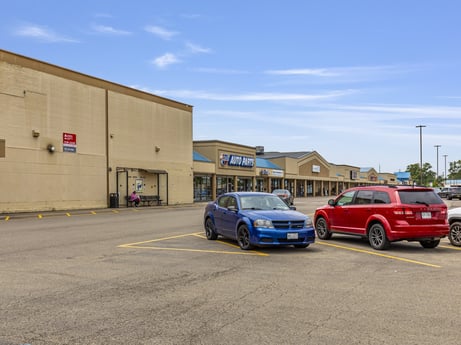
point(351, 80)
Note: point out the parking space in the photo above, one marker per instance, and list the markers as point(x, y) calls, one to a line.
point(405, 252)
point(151, 276)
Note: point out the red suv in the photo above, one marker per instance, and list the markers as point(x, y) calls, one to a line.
point(385, 214)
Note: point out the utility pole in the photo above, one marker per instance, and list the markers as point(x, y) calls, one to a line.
point(437, 147)
point(445, 181)
point(420, 153)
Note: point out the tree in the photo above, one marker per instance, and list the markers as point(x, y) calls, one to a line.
point(428, 175)
point(454, 172)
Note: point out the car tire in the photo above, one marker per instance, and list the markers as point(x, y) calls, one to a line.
point(455, 234)
point(321, 228)
point(301, 245)
point(377, 237)
point(243, 238)
point(429, 244)
point(210, 231)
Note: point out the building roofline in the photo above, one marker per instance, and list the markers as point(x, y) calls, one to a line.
point(58, 71)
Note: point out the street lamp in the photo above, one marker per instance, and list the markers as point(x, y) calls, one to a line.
point(437, 147)
point(420, 153)
point(445, 182)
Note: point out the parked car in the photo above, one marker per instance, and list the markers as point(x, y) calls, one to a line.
point(454, 193)
point(444, 191)
point(454, 218)
point(257, 219)
point(385, 214)
point(285, 195)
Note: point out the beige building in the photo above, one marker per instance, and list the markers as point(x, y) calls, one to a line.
point(72, 141)
point(304, 173)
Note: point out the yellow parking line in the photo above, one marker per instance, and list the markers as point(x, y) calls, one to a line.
point(140, 245)
point(196, 250)
point(378, 254)
point(156, 240)
point(451, 247)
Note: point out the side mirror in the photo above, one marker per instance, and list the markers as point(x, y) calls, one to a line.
point(293, 208)
point(331, 202)
point(232, 208)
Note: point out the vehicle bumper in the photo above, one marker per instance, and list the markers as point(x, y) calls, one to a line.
point(418, 233)
point(271, 237)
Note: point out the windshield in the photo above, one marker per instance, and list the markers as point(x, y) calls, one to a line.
point(262, 202)
point(419, 197)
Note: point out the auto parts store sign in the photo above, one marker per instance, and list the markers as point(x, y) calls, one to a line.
point(236, 161)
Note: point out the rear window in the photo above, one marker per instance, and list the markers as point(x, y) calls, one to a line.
point(419, 197)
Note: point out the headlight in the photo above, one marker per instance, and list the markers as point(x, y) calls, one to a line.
point(308, 223)
point(262, 223)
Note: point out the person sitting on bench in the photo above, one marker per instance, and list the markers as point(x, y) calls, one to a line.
point(135, 199)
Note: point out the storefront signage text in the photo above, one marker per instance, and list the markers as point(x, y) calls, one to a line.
point(236, 161)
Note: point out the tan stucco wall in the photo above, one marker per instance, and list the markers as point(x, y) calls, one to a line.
point(204, 167)
point(115, 126)
point(213, 150)
point(306, 167)
point(30, 177)
point(151, 136)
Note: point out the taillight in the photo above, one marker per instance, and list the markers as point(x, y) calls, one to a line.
point(404, 212)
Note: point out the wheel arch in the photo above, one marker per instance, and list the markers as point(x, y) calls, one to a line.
point(321, 214)
point(453, 220)
point(379, 219)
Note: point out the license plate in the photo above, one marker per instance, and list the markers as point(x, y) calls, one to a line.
point(426, 215)
point(292, 236)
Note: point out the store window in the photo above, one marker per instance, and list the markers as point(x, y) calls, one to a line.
point(224, 184)
point(202, 188)
point(260, 185)
point(276, 183)
point(245, 184)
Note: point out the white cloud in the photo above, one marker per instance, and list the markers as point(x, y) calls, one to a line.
point(257, 96)
point(320, 72)
point(196, 49)
point(354, 73)
point(110, 30)
point(42, 33)
point(219, 71)
point(160, 32)
point(165, 60)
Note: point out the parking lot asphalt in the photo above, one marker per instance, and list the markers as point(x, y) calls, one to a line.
point(149, 276)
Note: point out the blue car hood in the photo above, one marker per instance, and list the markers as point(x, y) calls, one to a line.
point(274, 215)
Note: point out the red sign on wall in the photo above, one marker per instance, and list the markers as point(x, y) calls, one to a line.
point(69, 142)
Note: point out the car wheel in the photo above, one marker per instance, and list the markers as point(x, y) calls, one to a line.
point(321, 227)
point(377, 237)
point(301, 245)
point(429, 243)
point(210, 231)
point(243, 238)
point(455, 234)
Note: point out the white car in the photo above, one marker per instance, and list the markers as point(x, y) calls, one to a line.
point(454, 218)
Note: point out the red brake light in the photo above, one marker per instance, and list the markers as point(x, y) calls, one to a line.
point(403, 212)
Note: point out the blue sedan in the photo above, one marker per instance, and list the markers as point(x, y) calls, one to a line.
point(257, 219)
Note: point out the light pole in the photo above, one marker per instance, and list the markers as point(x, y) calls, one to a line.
point(420, 153)
point(445, 177)
point(437, 147)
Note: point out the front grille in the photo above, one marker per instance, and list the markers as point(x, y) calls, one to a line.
point(284, 240)
point(287, 225)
